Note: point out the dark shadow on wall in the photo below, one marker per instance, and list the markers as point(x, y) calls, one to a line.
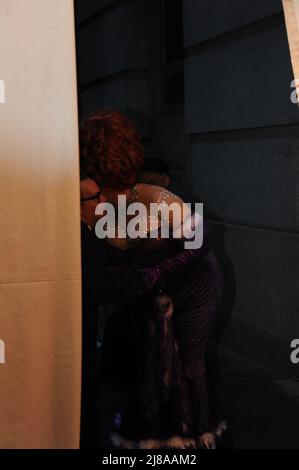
point(217, 235)
point(218, 232)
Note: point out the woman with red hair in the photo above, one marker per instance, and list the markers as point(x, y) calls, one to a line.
point(171, 404)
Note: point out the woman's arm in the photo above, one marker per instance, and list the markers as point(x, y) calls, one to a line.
point(169, 268)
point(122, 283)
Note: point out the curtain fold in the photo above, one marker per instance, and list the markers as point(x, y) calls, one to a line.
point(40, 268)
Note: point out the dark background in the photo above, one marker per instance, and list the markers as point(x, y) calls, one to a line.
point(207, 83)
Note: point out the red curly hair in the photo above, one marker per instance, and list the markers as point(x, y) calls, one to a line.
point(111, 149)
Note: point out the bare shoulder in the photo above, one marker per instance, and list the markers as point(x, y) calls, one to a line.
point(157, 194)
point(171, 207)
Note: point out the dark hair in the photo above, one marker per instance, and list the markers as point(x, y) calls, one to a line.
point(156, 165)
point(110, 148)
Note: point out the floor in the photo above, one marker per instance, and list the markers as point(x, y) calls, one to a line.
point(262, 409)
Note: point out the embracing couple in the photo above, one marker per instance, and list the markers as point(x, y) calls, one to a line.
point(174, 296)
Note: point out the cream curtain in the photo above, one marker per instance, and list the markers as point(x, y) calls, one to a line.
point(291, 11)
point(40, 286)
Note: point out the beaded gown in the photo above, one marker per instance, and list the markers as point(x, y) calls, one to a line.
point(171, 404)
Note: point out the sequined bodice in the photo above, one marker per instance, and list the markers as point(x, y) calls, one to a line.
point(150, 240)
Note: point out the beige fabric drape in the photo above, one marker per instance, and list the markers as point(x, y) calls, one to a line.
point(40, 286)
point(291, 11)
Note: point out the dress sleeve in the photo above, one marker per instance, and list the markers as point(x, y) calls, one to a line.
point(177, 225)
point(174, 218)
point(158, 276)
point(128, 281)
point(182, 220)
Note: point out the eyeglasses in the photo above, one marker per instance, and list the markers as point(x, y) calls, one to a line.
point(91, 198)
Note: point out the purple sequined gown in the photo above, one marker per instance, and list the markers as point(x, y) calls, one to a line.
point(171, 404)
